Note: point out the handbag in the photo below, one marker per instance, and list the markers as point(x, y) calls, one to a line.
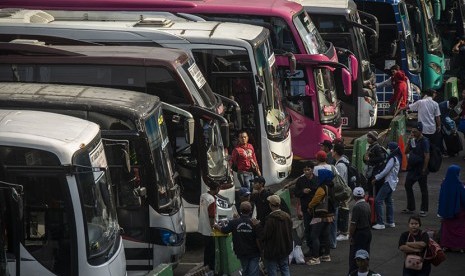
point(413, 262)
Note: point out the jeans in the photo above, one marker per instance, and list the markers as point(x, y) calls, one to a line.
point(272, 267)
point(250, 266)
point(244, 178)
point(384, 194)
point(320, 239)
point(423, 182)
point(333, 229)
point(209, 252)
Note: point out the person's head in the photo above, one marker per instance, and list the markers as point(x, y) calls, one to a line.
point(308, 169)
point(214, 188)
point(326, 146)
point(372, 136)
point(325, 176)
point(453, 174)
point(414, 223)
point(274, 201)
point(362, 259)
point(258, 183)
point(417, 130)
point(429, 92)
point(394, 68)
point(245, 208)
point(338, 150)
point(392, 146)
point(321, 156)
point(243, 137)
point(244, 194)
point(358, 193)
point(338, 141)
point(453, 101)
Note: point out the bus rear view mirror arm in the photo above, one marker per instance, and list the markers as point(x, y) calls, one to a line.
point(233, 107)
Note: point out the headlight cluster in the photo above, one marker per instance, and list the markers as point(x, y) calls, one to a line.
point(170, 238)
point(435, 67)
point(329, 133)
point(281, 160)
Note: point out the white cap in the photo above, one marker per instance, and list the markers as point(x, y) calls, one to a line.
point(358, 191)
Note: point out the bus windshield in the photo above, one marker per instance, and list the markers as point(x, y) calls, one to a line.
point(216, 159)
point(433, 40)
point(195, 81)
point(311, 38)
point(277, 121)
point(412, 57)
point(327, 98)
point(166, 188)
point(95, 190)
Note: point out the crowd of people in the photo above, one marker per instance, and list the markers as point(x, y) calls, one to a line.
point(262, 226)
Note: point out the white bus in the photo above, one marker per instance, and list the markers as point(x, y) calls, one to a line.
point(237, 61)
point(140, 159)
point(68, 222)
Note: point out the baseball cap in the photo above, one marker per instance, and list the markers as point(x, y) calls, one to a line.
point(243, 192)
point(327, 143)
point(358, 191)
point(373, 135)
point(274, 200)
point(321, 156)
point(258, 179)
point(419, 126)
point(362, 254)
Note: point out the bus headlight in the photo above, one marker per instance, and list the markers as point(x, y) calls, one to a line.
point(281, 160)
point(329, 133)
point(435, 67)
point(169, 238)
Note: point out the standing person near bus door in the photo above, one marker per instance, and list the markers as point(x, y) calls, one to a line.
point(243, 157)
point(374, 159)
point(207, 217)
point(400, 85)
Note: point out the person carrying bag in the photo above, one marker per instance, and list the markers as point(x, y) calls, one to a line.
point(414, 244)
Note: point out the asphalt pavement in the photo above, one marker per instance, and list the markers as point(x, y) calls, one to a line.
point(385, 258)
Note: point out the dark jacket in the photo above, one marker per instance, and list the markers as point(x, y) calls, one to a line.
point(244, 237)
point(276, 237)
point(376, 157)
point(303, 183)
point(263, 208)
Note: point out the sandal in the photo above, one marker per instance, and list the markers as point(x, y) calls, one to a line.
point(313, 261)
point(406, 211)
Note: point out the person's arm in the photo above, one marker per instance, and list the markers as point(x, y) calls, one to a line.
point(299, 191)
point(386, 83)
point(233, 157)
point(317, 198)
point(212, 213)
point(353, 223)
point(427, 156)
point(254, 160)
point(386, 170)
point(438, 123)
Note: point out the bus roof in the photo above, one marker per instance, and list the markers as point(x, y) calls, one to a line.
point(328, 6)
point(56, 133)
point(114, 29)
point(111, 55)
point(282, 8)
point(125, 103)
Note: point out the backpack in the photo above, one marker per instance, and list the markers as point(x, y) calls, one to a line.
point(435, 158)
point(355, 178)
point(340, 191)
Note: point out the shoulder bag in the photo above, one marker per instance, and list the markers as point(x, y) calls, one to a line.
point(412, 261)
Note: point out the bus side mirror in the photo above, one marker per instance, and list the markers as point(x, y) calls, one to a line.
point(437, 10)
point(353, 67)
point(261, 89)
point(346, 81)
point(374, 44)
point(308, 91)
point(189, 125)
point(393, 48)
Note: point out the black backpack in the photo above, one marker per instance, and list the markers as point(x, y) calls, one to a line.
point(355, 178)
point(435, 158)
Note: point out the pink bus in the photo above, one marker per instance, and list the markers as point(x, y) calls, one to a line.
point(309, 92)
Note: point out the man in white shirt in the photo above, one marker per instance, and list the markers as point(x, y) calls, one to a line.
point(430, 115)
point(207, 218)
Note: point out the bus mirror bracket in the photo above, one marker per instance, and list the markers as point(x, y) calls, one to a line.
point(292, 62)
point(308, 91)
point(374, 44)
point(189, 125)
point(261, 89)
point(393, 48)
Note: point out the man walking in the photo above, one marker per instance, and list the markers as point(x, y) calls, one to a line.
point(244, 240)
point(359, 229)
point(417, 170)
point(341, 220)
point(244, 159)
point(276, 239)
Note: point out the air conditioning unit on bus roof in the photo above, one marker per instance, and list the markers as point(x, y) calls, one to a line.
point(154, 22)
